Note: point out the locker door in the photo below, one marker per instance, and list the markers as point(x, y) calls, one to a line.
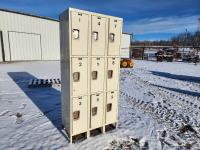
point(96, 111)
point(113, 74)
point(115, 31)
point(79, 33)
point(79, 76)
point(111, 107)
point(97, 74)
point(79, 115)
point(98, 35)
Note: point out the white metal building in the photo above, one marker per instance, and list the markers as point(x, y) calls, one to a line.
point(28, 37)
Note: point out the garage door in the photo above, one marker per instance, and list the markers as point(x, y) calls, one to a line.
point(25, 46)
point(1, 55)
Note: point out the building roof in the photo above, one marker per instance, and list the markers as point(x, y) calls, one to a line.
point(27, 14)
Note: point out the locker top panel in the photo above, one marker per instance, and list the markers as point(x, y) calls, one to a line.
point(91, 13)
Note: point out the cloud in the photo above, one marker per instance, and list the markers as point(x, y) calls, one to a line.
point(173, 24)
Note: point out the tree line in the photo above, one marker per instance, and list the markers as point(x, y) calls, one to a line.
point(182, 39)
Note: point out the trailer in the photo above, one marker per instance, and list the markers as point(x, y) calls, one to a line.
point(126, 60)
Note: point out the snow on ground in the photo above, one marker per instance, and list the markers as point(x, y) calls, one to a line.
point(159, 108)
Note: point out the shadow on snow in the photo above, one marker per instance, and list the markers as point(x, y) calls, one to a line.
point(48, 99)
point(177, 77)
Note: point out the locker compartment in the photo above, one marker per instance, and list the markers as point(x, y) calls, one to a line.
point(79, 76)
point(97, 74)
point(79, 115)
point(114, 37)
point(111, 107)
point(79, 33)
point(96, 111)
point(98, 35)
point(113, 74)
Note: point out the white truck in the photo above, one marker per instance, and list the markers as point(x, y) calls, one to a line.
point(126, 61)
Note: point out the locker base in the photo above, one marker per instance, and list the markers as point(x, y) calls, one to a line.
point(95, 132)
point(79, 137)
point(110, 127)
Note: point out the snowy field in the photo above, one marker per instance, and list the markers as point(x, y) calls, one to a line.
point(159, 109)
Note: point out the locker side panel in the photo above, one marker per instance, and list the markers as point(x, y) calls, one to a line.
point(65, 72)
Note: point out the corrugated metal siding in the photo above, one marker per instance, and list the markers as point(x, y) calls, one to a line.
point(49, 31)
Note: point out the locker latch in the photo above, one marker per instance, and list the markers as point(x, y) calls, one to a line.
point(75, 34)
point(94, 75)
point(94, 111)
point(110, 74)
point(109, 107)
point(95, 35)
point(76, 115)
point(76, 76)
point(112, 37)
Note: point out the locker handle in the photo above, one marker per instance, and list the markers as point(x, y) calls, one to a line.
point(109, 107)
point(95, 35)
point(112, 37)
point(94, 111)
point(76, 76)
point(94, 75)
point(76, 115)
point(110, 74)
point(76, 34)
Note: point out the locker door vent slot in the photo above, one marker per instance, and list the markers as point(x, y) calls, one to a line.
point(109, 107)
point(94, 111)
point(112, 37)
point(94, 75)
point(75, 34)
point(110, 74)
point(76, 115)
point(95, 35)
point(76, 76)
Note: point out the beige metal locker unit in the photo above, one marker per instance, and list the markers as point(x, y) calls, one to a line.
point(84, 38)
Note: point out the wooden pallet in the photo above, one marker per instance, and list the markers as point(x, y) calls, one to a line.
point(38, 83)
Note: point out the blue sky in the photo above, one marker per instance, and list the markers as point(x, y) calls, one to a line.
point(147, 19)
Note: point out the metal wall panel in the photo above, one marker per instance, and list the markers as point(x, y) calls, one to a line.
point(25, 46)
point(48, 29)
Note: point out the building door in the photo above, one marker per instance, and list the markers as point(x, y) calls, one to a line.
point(25, 46)
point(2, 53)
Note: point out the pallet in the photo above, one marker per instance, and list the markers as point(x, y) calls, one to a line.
point(38, 83)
